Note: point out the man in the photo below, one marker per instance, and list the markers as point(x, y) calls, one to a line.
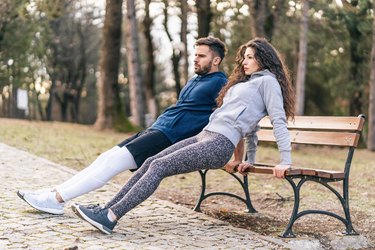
point(186, 118)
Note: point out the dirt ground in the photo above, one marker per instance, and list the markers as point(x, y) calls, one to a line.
point(273, 211)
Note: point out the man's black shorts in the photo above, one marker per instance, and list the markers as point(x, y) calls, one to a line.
point(145, 144)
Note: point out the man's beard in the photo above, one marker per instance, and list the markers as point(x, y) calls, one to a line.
point(204, 70)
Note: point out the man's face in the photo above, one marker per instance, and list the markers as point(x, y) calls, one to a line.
point(203, 60)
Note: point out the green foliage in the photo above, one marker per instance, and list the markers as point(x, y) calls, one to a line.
point(355, 25)
point(123, 125)
point(18, 32)
point(231, 24)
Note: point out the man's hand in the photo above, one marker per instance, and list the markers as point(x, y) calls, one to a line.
point(231, 166)
point(279, 170)
point(243, 167)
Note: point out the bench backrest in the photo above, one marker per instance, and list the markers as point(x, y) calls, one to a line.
point(318, 130)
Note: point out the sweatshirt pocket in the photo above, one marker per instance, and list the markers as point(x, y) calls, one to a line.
point(237, 112)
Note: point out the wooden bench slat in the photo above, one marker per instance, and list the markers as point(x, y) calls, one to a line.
point(264, 169)
point(337, 123)
point(346, 139)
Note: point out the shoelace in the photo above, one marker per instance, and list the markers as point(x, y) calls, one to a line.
point(96, 208)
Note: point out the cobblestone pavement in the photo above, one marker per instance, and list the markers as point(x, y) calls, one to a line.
point(155, 224)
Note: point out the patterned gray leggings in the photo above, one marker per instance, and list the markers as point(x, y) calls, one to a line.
point(207, 150)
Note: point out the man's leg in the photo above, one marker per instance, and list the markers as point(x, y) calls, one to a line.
point(109, 166)
point(128, 155)
point(105, 167)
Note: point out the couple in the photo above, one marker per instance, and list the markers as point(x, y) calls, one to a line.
point(259, 86)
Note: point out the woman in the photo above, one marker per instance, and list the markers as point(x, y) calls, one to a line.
point(259, 86)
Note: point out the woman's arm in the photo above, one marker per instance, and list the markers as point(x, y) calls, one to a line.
point(232, 165)
point(273, 100)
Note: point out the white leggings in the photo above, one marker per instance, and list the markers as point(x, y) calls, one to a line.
point(106, 166)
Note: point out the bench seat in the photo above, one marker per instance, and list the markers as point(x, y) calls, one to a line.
point(260, 168)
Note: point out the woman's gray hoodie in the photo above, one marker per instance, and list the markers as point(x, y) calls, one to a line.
point(244, 105)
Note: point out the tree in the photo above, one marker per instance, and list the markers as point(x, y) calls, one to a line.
point(371, 112)
point(134, 70)
point(263, 17)
point(302, 59)
point(229, 24)
point(149, 78)
point(18, 51)
point(355, 15)
point(71, 44)
point(108, 100)
point(204, 17)
point(176, 51)
point(184, 32)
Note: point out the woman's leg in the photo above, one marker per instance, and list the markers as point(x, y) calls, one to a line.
point(104, 168)
point(207, 150)
point(143, 169)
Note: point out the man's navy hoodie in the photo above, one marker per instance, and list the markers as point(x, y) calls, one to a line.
point(193, 108)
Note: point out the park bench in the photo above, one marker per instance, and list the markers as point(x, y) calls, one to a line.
point(309, 130)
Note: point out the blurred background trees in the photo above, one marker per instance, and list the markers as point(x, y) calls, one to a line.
point(71, 61)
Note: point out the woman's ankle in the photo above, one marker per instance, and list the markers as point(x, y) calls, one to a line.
point(111, 216)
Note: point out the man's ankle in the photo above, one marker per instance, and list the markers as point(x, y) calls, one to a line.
point(58, 197)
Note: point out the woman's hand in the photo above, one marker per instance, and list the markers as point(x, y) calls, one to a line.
point(243, 167)
point(231, 166)
point(279, 170)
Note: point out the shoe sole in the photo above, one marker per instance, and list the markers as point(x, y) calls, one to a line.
point(45, 210)
point(74, 208)
point(83, 216)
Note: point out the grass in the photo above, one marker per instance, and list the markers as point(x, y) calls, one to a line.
point(76, 146)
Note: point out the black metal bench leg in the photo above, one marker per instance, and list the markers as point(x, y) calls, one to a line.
point(288, 233)
point(245, 186)
point(349, 226)
point(202, 174)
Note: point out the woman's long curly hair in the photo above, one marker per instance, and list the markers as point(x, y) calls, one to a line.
point(267, 57)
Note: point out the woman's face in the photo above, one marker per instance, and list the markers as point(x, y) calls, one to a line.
point(250, 65)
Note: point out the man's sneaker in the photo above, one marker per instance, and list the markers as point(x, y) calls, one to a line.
point(21, 193)
point(43, 201)
point(96, 217)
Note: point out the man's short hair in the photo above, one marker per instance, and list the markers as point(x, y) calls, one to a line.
point(215, 44)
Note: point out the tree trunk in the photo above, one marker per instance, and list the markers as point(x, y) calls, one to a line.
point(50, 101)
point(352, 17)
point(371, 112)
point(263, 18)
point(258, 14)
point(149, 78)
point(176, 53)
point(134, 69)
point(185, 54)
point(253, 25)
point(204, 17)
point(302, 58)
point(109, 65)
point(80, 77)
